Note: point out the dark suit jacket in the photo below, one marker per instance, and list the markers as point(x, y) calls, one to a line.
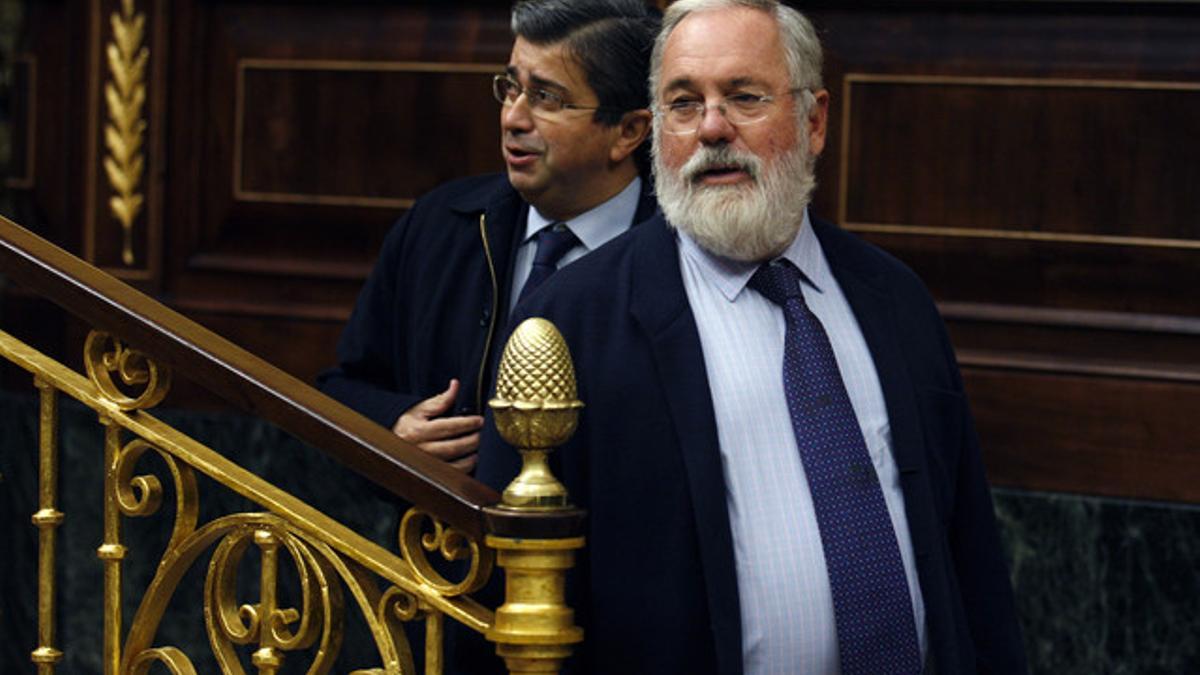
point(656, 590)
point(435, 303)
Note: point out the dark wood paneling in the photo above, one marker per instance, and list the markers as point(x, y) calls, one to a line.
point(22, 124)
point(319, 132)
point(1093, 435)
point(1080, 158)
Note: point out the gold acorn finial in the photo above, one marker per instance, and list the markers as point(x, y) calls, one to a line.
point(536, 410)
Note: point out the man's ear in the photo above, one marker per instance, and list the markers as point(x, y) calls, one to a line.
point(631, 131)
point(818, 122)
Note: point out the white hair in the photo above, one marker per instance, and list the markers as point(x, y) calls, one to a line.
point(801, 46)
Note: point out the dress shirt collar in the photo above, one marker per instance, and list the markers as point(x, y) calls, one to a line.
point(595, 227)
point(731, 276)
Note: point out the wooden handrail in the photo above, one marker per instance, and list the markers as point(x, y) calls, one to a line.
point(254, 386)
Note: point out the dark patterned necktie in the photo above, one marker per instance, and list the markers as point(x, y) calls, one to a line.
point(876, 630)
point(553, 242)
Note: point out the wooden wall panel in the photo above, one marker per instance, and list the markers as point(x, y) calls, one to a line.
point(316, 132)
point(1117, 436)
point(22, 160)
point(1068, 160)
point(1028, 161)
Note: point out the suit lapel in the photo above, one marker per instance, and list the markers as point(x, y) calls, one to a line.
point(659, 305)
point(505, 221)
point(647, 204)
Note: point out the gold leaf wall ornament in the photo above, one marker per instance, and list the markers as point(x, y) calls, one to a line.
point(125, 96)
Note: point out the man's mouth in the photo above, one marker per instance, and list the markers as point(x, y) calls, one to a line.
point(722, 174)
point(517, 155)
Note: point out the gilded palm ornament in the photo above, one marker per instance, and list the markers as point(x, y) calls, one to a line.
point(125, 95)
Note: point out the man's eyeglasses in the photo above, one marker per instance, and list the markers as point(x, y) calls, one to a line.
point(507, 91)
point(683, 115)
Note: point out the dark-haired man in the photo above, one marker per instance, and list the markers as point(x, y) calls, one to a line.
point(573, 117)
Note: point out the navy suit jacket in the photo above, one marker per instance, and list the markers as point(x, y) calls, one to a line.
point(656, 588)
point(436, 302)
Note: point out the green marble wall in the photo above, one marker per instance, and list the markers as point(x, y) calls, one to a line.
point(1103, 586)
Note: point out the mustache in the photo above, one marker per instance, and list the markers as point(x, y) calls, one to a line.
point(523, 145)
point(715, 157)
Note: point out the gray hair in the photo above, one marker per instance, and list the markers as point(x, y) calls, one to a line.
point(801, 46)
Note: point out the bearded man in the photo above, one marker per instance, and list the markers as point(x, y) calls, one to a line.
point(777, 457)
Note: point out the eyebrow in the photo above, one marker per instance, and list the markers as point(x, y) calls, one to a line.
point(536, 80)
point(689, 83)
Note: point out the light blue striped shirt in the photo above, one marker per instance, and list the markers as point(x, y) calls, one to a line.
point(593, 229)
point(787, 609)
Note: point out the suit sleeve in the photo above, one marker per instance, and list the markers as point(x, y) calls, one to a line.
point(371, 353)
point(979, 558)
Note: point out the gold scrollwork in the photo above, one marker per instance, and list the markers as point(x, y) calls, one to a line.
point(133, 368)
point(229, 623)
point(175, 660)
point(140, 496)
point(453, 545)
point(125, 94)
point(275, 629)
point(398, 603)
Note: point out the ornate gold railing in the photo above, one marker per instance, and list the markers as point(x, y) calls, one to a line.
point(533, 534)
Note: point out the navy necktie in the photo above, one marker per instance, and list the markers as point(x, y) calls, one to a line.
point(553, 242)
point(876, 630)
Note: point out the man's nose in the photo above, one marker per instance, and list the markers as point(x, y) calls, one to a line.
point(516, 116)
point(714, 127)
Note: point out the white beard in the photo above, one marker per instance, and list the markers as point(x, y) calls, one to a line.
point(749, 223)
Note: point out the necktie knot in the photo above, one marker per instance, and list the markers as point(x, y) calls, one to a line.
point(778, 281)
point(553, 242)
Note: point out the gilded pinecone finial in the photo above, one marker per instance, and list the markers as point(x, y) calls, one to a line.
point(536, 409)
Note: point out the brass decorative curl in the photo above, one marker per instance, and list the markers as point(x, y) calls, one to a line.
point(398, 604)
point(175, 660)
point(140, 496)
point(125, 95)
point(275, 629)
point(453, 546)
point(233, 534)
point(104, 354)
point(389, 635)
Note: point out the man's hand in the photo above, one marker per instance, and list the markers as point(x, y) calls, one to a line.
point(451, 439)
